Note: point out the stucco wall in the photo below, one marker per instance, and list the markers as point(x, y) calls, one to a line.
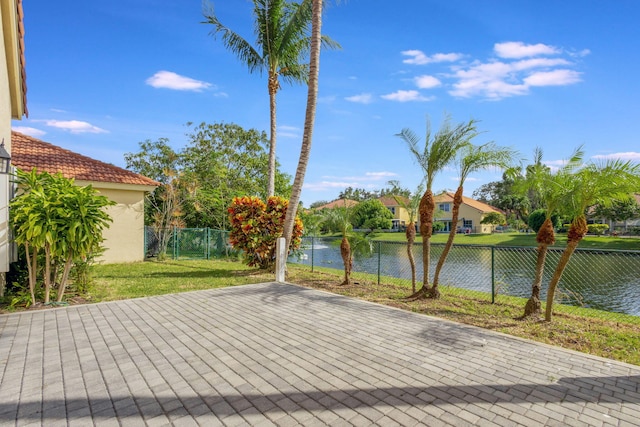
point(124, 239)
point(5, 134)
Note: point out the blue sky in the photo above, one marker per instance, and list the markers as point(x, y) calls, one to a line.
point(103, 76)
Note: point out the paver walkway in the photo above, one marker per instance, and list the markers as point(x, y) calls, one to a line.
point(274, 354)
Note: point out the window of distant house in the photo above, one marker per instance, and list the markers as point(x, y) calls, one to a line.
point(467, 223)
point(393, 210)
point(445, 207)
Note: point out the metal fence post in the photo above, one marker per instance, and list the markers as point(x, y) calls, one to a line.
point(208, 240)
point(312, 244)
point(175, 242)
point(493, 275)
point(379, 251)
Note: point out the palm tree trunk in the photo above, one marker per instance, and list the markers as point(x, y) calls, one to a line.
point(545, 238)
point(426, 209)
point(411, 238)
point(309, 121)
point(534, 306)
point(345, 252)
point(273, 89)
point(576, 232)
point(455, 212)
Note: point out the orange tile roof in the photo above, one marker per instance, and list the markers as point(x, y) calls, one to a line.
point(28, 153)
point(340, 203)
point(482, 207)
point(391, 201)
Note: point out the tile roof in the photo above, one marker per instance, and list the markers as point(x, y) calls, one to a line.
point(28, 153)
point(482, 207)
point(391, 200)
point(340, 203)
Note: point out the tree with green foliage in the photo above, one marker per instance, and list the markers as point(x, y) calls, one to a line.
point(372, 214)
point(437, 154)
point(255, 227)
point(394, 188)
point(282, 44)
point(493, 218)
point(54, 217)
point(549, 190)
point(596, 183)
point(357, 194)
point(620, 210)
point(472, 158)
point(221, 161)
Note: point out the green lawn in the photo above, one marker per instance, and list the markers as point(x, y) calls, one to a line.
point(521, 239)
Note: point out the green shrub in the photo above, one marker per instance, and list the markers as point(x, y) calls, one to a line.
point(597, 229)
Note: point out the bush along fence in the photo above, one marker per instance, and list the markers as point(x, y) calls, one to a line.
point(594, 279)
point(187, 243)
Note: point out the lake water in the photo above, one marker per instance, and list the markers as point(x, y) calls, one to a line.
point(605, 280)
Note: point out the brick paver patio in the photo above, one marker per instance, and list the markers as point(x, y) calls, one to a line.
point(275, 354)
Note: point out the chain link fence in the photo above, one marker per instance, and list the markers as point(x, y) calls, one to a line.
point(599, 279)
point(187, 243)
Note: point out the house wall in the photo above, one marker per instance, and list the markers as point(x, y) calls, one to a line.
point(5, 134)
point(124, 239)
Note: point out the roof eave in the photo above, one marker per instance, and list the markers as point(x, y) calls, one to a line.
point(14, 48)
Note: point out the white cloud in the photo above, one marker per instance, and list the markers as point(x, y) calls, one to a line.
point(417, 57)
point(74, 126)
point(37, 133)
point(170, 80)
point(625, 156)
point(368, 180)
point(520, 50)
point(406, 96)
point(363, 98)
point(288, 131)
point(57, 110)
point(496, 80)
point(380, 175)
point(553, 78)
point(427, 82)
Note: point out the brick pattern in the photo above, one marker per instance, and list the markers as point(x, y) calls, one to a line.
point(274, 354)
point(28, 152)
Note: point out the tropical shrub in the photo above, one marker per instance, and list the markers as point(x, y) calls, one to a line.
point(597, 229)
point(58, 221)
point(255, 227)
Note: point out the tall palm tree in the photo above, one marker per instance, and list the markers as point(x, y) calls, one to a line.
point(282, 43)
point(472, 159)
point(411, 205)
point(309, 120)
point(600, 184)
point(438, 153)
point(550, 190)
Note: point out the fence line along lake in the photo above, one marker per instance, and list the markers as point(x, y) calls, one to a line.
point(601, 279)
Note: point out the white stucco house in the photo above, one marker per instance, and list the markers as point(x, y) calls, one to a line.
point(124, 239)
point(13, 105)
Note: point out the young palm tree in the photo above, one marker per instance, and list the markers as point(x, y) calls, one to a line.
point(600, 184)
point(438, 153)
point(549, 189)
point(472, 159)
point(282, 43)
point(309, 121)
point(339, 219)
point(411, 206)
